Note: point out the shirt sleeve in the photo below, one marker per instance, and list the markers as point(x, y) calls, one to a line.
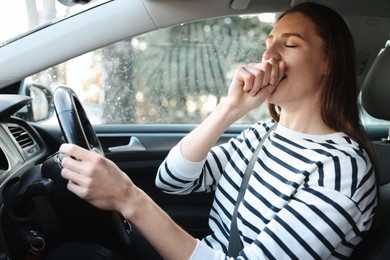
point(202, 251)
point(177, 175)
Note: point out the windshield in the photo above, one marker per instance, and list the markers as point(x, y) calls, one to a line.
point(19, 17)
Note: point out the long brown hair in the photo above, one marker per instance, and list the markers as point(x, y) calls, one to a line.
point(339, 106)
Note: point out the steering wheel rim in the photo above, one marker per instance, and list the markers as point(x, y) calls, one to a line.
point(73, 120)
point(77, 129)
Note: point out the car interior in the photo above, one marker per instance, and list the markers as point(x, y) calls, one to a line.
point(375, 89)
point(41, 219)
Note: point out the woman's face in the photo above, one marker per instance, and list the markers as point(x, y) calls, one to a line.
point(295, 41)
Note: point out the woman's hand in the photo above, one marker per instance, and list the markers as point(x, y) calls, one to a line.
point(253, 83)
point(99, 181)
point(250, 87)
point(96, 179)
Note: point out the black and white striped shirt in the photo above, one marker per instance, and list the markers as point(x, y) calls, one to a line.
point(310, 196)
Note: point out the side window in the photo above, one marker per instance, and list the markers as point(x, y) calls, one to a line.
point(170, 76)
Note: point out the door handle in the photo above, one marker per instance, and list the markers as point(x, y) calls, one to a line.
point(133, 145)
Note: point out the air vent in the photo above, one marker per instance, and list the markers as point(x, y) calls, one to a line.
point(21, 136)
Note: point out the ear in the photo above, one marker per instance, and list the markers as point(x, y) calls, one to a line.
point(326, 71)
point(325, 68)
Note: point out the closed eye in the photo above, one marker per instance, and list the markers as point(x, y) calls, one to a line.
point(290, 46)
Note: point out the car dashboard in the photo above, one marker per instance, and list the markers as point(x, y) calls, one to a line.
point(20, 144)
point(22, 151)
point(37, 212)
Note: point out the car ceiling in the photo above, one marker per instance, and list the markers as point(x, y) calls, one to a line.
point(369, 22)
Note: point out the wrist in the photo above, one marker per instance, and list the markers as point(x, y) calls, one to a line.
point(132, 203)
point(229, 111)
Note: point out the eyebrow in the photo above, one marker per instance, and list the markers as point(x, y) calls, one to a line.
point(286, 35)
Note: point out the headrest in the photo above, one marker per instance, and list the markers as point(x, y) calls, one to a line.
point(376, 87)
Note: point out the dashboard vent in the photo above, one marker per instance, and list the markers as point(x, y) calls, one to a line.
point(21, 136)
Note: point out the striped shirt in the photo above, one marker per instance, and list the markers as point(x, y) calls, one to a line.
point(309, 197)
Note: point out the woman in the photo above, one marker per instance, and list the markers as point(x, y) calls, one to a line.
point(312, 193)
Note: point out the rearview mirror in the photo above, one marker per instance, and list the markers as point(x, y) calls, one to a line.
point(73, 2)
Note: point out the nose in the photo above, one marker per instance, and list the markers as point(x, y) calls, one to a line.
point(271, 52)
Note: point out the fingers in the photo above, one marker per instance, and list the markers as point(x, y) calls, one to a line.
point(246, 77)
point(79, 159)
point(256, 76)
point(77, 180)
point(282, 70)
point(274, 74)
point(79, 165)
point(261, 73)
point(74, 151)
point(75, 187)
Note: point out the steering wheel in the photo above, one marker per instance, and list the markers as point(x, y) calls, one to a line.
point(78, 130)
point(73, 120)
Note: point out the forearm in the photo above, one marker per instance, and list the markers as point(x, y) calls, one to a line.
point(250, 87)
point(196, 145)
point(168, 238)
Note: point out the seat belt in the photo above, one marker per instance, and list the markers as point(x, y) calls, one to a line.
point(235, 245)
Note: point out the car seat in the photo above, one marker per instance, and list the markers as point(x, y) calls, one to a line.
point(376, 101)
